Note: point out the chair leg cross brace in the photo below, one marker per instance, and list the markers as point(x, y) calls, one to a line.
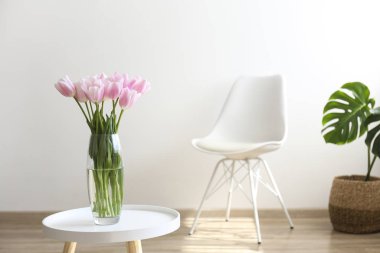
point(253, 173)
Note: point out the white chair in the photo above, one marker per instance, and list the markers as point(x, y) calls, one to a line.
point(252, 122)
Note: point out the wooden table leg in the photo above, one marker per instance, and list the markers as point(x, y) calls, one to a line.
point(69, 247)
point(134, 247)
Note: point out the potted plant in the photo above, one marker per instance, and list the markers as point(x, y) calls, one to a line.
point(354, 204)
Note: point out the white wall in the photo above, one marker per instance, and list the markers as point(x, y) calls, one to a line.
point(191, 51)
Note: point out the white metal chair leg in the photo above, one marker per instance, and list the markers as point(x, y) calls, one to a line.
point(230, 191)
point(203, 199)
point(254, 202)
point(256, 181)
point(279, 196)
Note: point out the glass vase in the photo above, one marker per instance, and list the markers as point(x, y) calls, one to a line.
point(105, 174)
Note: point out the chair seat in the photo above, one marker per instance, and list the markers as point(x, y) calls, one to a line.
point(233, 149)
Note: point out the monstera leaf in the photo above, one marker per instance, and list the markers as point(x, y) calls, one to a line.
point(373, 136)
point(345, 113)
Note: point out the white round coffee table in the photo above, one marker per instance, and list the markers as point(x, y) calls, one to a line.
point(137, 222)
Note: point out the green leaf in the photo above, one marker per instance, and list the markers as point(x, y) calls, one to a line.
point(373, 135)
point(345, 113)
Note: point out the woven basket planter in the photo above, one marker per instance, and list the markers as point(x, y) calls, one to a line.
point(355, 204)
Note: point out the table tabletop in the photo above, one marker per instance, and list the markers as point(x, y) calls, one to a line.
point(137, 222)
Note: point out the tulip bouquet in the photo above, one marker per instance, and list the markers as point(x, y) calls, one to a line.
point(104, 163)
point(94, 91)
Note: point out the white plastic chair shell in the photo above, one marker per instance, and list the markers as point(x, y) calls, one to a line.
point(252, 121)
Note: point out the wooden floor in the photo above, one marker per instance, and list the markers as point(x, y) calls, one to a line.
point(312, 233)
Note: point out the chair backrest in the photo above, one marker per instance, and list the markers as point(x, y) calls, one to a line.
point(254, 111)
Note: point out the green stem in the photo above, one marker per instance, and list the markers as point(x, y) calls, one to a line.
point(118, 121)
point(99, 118)
point(114, 106)
point(88, 111)
point(92, 110)
point(370, 168)
point(81, 108)
point(109, 192)
point(112, 118)
point(368, 158)
point(107, 175)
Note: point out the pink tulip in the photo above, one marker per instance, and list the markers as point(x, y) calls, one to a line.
point(141, 86)
point(113, 86)
point(80, 95)
point(125, 80)
point(93, 87)
point(65, 86)
point(136, 83)
point(101, 76)
point(128, 97)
